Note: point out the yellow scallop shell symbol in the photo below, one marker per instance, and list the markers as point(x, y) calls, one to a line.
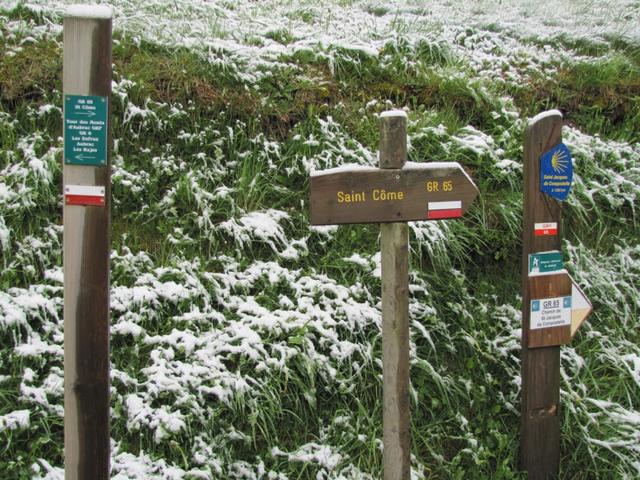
point(559, 161)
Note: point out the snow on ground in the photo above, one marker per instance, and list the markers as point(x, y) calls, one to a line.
point(251, 37)
point(212, 336)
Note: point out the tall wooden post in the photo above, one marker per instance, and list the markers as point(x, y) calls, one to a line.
point(395, 313)
point(540, 427)
point(393, 194)
point(86, 178)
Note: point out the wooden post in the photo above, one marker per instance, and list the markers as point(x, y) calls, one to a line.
point(540, 423)
point(393, 194)
point(86, 179)
point(394, 244)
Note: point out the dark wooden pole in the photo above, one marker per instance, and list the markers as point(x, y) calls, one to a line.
point(540, 423)
point(87, 74)
point(394, 245)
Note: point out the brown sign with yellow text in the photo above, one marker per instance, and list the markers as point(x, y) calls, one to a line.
point(418, 191)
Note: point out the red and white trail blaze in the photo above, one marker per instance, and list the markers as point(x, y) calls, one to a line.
point(438, 210)
point(84, 195)
point(550, 228)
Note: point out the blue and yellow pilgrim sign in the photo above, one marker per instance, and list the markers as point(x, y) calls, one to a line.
point(556, 172)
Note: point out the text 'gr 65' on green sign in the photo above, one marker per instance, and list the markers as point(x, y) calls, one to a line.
point(85, 130)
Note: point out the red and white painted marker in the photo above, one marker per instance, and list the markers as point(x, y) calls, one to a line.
point(439, 210)
point(550, 228)
point(84, 195)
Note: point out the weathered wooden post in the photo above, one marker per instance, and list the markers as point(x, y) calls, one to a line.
point(86, 189)
point(553, 306)
point(393, 194)
point(394, 247)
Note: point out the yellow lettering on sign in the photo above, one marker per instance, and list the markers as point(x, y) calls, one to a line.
point(436, 186)
point(382, 195)
point(351, 197)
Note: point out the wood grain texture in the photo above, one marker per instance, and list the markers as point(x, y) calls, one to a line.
point(540, 425)
point(87, 71)
point(396, 416)
point(394, 246)
point(549, 286)
point(372, 186)
point(393, 140)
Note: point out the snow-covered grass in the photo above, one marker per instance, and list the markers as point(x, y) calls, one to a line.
point(245, 343)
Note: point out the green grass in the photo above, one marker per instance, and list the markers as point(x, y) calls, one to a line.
point(199, 147)
point(600, 96)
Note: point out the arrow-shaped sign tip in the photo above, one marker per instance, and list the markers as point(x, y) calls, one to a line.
point(580, 307)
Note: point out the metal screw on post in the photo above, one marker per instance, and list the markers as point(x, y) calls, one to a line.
point(86, 177)
point(394, 245)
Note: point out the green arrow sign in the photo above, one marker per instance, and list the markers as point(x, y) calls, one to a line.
point(85, 130)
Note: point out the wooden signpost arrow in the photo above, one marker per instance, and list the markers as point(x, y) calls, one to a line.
point(580, 308)
point(555, 325)
point(417, 191)
point(393, 194)
point(553, 306)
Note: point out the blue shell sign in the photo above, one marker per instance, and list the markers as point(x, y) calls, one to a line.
point(556, 172)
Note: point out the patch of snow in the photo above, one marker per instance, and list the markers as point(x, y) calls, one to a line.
point(16, 420)
point(89, 11)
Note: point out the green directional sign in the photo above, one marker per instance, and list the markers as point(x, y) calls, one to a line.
point(85, 130)
point(545, 262)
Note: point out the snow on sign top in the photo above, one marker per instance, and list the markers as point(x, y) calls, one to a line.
point(89, 11)
point(548, 113)
point(347, 167)
point(393, 113)
point(373, 195)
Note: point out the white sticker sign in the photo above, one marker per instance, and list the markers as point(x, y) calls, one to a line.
point(550, 312)
point(84, 195)
point(542, 229)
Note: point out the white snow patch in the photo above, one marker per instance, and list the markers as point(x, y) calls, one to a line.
point(16, 420)
point(89, 11)
point(322, 455)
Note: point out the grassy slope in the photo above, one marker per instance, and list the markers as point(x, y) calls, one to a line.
point(286, 386)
